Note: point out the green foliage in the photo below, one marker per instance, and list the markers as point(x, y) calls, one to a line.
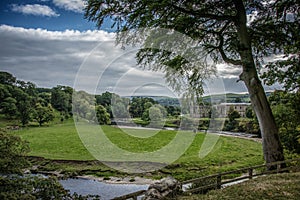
point(25, 111)
point(103, 116)
point(28, 87)
point(61, 99)
point(249, 126)
point(15, 103)
point(12, 152)
point(7, 79)
point(83, 106)
point(43, 114)
point(173, 111)
point(116, 106)
point(285, 107)
point(17, 98)
point(233, 114)
point(104, 99)
point(283, 34)
point(286, 72)
point(44, 98)
point(139, 105)
point(119, 107)
point(249, 112)
point(232, 123)
point(13, 187)
point(9, 108)
point(238, 100)
point(4, 93)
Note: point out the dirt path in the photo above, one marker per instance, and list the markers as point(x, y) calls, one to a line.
point(222, 133)
point(243, 137)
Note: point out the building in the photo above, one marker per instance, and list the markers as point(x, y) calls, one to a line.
point(201, 111)
point(223, 108)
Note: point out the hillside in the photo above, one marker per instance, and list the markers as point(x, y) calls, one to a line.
point(216, 98)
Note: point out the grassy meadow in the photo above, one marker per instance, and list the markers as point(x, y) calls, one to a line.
point(61, 142)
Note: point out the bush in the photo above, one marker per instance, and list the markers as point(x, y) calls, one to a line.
point(12, 153)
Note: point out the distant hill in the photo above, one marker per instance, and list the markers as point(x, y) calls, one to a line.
point(162, 100)
point(229, 98)
point(216, 98)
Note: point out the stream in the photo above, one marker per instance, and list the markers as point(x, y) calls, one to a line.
point(106, 191)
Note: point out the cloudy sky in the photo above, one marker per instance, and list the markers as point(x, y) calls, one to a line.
point(49, 43)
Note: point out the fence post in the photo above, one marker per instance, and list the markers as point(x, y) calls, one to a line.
point(278, 168)
point(250, 171)
point(219, 180)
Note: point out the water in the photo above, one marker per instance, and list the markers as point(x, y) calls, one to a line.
point(106, 191)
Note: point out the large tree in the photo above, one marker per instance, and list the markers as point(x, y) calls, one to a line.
point(224, 35)
point(61, 99)
point(43, 114)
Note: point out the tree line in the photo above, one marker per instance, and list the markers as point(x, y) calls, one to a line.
point(25, 102)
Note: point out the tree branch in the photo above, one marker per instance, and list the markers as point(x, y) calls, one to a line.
point(204, 15)
point(224, 56)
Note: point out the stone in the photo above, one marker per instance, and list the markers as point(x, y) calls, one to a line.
point(165, 188)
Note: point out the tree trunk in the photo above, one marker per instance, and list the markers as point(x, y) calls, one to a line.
point(272, 148)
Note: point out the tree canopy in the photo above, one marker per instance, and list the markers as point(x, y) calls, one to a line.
point(237, 32)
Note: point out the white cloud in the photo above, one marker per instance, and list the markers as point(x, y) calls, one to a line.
point(251, 17)
point(49, 58)
point(67, 35)
point(229, 71)
point(72, 5)
point(35, 9)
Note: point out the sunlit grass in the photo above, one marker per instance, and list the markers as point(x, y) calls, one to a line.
point(61, 141)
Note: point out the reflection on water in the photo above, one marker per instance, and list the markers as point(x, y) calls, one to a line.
point(104, 190)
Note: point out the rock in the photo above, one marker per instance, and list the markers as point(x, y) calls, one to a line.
point(152, 194)
point(165, 188)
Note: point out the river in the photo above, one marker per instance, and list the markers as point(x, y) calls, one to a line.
point(106, 191)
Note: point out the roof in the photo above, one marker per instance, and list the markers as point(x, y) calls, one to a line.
point(236, 104)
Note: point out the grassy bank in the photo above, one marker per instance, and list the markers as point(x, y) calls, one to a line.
point(61, 142)
point(279, 187)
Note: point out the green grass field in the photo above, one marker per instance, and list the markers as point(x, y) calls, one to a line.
point(59, 141)
point(62, 142)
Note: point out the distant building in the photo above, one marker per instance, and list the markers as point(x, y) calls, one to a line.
point(200, 111)
point(223, 108)
point(203, 111)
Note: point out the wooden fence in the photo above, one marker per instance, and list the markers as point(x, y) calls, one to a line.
point(133, 195)
point(216, 181)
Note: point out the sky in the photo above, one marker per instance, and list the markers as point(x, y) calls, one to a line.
point(50, 43)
